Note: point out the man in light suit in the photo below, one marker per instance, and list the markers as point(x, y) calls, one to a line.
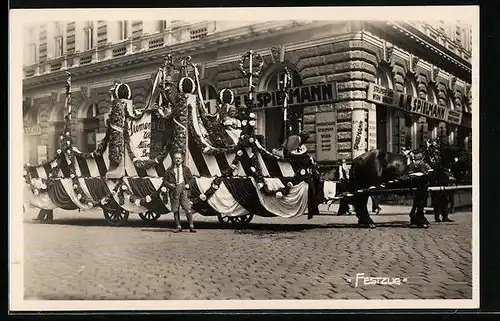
point(178, 178)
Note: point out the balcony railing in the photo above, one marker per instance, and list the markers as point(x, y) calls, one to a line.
point(178, 34)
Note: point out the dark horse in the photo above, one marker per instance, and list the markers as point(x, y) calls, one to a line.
point(378, 168)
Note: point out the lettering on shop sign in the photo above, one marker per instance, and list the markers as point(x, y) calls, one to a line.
point(140, 135)
point(415, 105)
point(304, 95)
point(326, 136)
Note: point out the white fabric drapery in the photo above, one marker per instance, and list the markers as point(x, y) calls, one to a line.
point(289, 206)
point(41, 200)
point(221, 201)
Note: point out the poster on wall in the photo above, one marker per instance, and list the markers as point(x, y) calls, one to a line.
point(42, 153)
point(372, 127)
point(358, 132)
point(326, 136)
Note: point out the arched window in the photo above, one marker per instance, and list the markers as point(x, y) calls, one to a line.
point(383, 78)
point(385, 115)
point(209, 94)
point(90, 127)
point(433, 124)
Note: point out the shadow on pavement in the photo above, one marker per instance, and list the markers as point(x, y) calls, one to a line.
point(166, 226)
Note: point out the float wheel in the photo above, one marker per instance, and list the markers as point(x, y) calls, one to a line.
point(116, 217)
point(223, 219)
point(244, 219)
point(149, 216)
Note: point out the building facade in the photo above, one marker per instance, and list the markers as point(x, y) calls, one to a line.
point(356, 86)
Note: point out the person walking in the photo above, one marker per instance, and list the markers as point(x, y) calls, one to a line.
point(178, 178)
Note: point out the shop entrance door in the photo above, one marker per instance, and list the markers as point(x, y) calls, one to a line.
point(381, 127)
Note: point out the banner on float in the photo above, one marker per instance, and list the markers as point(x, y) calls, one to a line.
point(140, 136)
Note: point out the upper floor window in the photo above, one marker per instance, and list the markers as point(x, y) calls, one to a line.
point(123, 29)
point(162, 25)
point(32, 50)
point(59, 40)
point(89, 35)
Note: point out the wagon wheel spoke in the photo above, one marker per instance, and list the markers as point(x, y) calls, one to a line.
point(116, 217)
point(223, 219)
point(149, 216)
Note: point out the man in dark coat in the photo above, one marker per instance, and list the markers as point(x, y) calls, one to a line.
point(178, 178)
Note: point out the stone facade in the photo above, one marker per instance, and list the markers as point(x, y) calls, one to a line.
point(348, 53)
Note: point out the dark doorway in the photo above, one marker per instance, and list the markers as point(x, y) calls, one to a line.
point(381, 127)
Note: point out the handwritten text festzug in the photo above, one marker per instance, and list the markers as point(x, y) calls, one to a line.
point(369, 280)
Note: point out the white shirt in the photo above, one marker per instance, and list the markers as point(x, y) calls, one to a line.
point(179, 174)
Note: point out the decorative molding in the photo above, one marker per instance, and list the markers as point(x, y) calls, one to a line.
point(42, 95)
point(413, 62)
point(107, 83)
point(388, 50)
point(451, 82)
point(276, 54)
point(434, 73)
point(139, 77)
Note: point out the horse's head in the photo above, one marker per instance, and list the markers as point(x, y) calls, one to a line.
point(432, 153)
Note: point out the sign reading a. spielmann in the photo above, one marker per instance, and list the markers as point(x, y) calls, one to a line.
point(303, 95)
point(326, 136)
point(392, 98)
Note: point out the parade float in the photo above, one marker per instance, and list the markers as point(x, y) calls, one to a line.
point(235, 176)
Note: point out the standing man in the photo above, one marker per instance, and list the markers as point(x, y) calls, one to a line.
point(178, 178)
point(344, 178)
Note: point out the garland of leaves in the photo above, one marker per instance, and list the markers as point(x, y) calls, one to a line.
point(246, 56)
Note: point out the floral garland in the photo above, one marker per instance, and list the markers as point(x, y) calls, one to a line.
point(116, 121)
point(246, 56)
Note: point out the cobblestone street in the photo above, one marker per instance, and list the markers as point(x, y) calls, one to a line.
point(79, 257)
